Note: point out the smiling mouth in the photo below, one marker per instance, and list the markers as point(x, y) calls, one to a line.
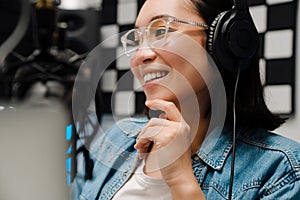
point(154, 75)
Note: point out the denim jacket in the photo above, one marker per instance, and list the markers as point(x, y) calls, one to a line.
point(267, 165)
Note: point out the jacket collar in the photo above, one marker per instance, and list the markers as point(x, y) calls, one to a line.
point(132, 126)
point(216, 147)
point(214, 150)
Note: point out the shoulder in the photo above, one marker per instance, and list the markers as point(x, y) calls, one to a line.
point(275, 157)
point(111, 149)
point(273, 142)
point(117, 141)
point(120, 133)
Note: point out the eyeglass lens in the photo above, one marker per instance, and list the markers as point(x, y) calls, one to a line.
point(155, 35)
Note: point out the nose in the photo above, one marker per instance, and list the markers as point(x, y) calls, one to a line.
point(144, 54)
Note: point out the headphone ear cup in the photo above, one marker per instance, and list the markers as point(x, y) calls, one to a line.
point(215, 43)
point(232, 40)
point(241, 37)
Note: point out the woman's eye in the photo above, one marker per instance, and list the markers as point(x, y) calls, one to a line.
point(160, 31)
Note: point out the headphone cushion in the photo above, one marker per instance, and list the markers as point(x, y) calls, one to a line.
point(213, 32)
point(215, 42)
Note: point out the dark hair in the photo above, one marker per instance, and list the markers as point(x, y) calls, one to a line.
point(251, 109)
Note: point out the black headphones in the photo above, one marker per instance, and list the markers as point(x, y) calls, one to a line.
point(233, 38)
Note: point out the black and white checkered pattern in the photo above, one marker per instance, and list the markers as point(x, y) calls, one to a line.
point(276, 23)
point(122, 93)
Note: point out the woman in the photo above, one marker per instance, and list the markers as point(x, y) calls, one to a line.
point(177, 155)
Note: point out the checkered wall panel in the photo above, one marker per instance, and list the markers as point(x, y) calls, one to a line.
point(276, 23)
point(122, 93)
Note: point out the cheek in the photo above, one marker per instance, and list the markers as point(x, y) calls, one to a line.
point(186, 72)
point(184, 68)
point(135, 69)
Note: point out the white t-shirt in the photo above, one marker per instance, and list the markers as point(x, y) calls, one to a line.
point(140, 186)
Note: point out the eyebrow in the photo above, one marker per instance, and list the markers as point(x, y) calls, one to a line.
point(160, 16)
point(157, 17)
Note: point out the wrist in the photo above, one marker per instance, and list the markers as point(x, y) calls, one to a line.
point(185, 186)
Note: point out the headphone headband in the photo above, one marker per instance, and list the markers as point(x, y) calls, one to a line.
point(240, 5)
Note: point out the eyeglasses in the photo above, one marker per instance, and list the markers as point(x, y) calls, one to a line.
point(155, 34)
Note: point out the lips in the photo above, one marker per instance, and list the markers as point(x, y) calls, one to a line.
point(154, 75)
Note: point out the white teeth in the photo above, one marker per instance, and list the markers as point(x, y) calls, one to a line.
point(155, 75)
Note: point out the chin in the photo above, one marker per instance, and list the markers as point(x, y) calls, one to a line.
point(163, 95)
point(161, 92)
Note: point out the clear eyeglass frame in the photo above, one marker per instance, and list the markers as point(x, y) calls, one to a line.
point(155, 34)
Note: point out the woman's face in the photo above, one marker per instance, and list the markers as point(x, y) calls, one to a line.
point(165, 72)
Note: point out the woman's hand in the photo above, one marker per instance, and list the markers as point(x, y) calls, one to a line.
point(171, 152)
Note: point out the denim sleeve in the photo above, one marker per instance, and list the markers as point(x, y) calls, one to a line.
point(288, 190)
point(79, 180)
point(76, 188)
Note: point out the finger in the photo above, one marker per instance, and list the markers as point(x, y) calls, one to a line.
point(168, 107)
point(144, 150)
point(158, 123)
point(159, 135)
point(147, 136)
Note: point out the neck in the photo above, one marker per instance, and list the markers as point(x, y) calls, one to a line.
point(197, 116)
